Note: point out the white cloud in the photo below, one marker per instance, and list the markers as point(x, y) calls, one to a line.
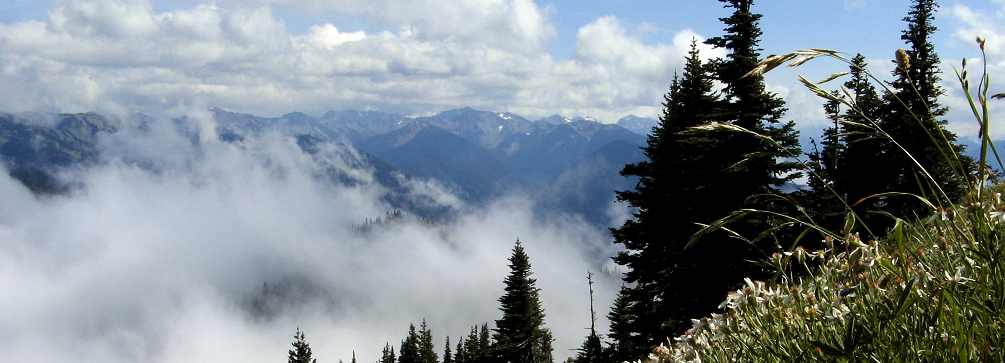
point(121, 54)
point(159, 266)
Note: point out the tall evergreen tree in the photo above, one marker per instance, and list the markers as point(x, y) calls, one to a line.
point(700, 178)
point(749, 105)
point(301, 352)
point(757, 168)
point(459, 352)
point(916, 84)
point(427, 352)
point(448, 356)
point(851, 159)
point(409, 352)
point(624, 339)
point(826, 166)
point(387, 356)
point(520, 334)
point(682, 172)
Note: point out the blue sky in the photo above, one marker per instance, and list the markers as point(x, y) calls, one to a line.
point(604, 59)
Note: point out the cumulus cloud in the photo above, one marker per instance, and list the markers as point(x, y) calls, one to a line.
point(422, 57)
point(181, 250)
point(973, 24)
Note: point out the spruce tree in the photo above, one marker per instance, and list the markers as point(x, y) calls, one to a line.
point(459, 352)
point(427, 352)
point(623, 337)
point(520, 335)
point(682, 174)
point(692, 178)
point(826, 165)
point(301, 352)
point(757, 169)
point(409, 352)
point(448, 356)
point(387, 356)
point(853, 149)
point(916, 83)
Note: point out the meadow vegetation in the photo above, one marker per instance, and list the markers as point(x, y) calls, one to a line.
point(931, 290)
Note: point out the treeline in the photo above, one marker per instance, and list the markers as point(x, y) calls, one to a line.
point(715, 197)
point(520, 336)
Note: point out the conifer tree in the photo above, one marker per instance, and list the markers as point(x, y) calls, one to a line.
point(682, 170)
point(301, 352)
point(387, 356)
point(826, 166)
point(409, 352)
point(459, 352)
point(484, 341)
point(916, 84)
point(624, 338)
point(427, 352)
point(354, 356)
point(699, 178)
point(851, 159)
point(448, 356)
point(756, 169)
point(520, 335)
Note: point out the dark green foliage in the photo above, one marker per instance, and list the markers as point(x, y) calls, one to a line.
point(681, 170)
point(867, 164)
point(695, 178)
point(623, 338)
point(918, 88)
point(448, 357)
point(301, 352)
point(520, 335)
point(476, 348)
point(851, 161)
point(409, 352)
point(387, 356)
point(592, 351)
point(427, 352)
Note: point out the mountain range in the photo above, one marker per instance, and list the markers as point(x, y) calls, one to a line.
point(566, 165)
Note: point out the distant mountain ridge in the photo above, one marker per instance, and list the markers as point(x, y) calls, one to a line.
point(477, 154)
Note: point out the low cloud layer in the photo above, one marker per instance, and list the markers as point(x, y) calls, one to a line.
point(180, 249)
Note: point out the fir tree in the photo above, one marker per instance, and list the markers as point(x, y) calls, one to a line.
point(624, 339)
point(850, 161)
point(485, 341)
point(916, 84)
point(520, 335)
point(354, 356)
point(692, 178)
point(756, 170)
point(448, 356)
point(427, 352)
point(459, 353)
point(301, 352)
point(683, 172)
point(826, 164)
point(387, 356)
point(409, 352)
